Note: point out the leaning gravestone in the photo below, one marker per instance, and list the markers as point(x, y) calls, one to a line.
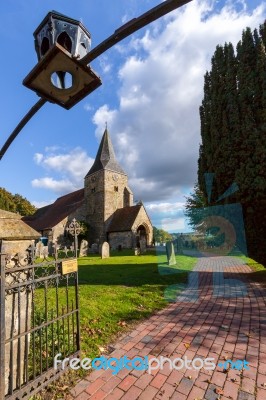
point(84, 246)
point(170, 252)
point(105, 250)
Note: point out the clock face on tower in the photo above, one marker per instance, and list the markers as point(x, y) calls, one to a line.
point(115, 177)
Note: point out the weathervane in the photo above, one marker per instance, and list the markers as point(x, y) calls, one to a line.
point(62, 75)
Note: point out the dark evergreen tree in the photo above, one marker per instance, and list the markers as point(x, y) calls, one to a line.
point(233, 131)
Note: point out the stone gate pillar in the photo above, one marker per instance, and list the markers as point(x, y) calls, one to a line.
point(15, 238)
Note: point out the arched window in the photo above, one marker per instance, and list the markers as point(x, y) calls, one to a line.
point(45, 45)
point(65, 41)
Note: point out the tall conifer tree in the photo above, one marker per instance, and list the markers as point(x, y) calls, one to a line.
point(233, 131)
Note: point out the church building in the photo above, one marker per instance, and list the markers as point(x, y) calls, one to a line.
point(105, 204)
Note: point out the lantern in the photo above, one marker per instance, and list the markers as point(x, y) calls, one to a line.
point(60, 77)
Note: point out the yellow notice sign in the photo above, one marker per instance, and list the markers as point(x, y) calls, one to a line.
point(69, 266)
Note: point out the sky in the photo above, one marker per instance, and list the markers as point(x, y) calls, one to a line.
point(150, 97)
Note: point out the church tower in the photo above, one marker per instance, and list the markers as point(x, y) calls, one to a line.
point(106, 190)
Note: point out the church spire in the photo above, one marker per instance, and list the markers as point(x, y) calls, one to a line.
point(105, 158)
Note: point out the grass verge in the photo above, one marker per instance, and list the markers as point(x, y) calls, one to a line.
point(259, 271)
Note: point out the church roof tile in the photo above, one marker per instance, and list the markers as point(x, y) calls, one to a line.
point(124, 219)
point(49, 216)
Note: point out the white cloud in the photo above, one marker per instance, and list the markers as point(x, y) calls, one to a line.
point(105, 65)
point(71, 168)
point(88, 107)
point(173, 224)
point(156, 128)
point(102, 116)
point(38, 157)
point(165, 207)
point(57, 186)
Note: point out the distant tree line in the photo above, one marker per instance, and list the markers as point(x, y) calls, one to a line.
point(15, 203)
point(160, 235)
point(233, 131)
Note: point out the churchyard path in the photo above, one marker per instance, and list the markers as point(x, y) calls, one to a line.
point(220, 315)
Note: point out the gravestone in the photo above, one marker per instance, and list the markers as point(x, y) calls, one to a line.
point(170, 252)
point(137, 251)
point(105, 250)
point(39, 250)
point(84, 246)
point(72, 248)
point(66, 251)
point(142, 244)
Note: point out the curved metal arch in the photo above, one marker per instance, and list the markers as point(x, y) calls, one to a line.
point(121, 33)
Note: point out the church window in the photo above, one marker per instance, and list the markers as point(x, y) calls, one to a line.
point(45, 45)
point(93, 190)
point(116, 188)
point(65, 41)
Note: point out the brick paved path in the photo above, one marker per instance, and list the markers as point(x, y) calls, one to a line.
point(220, 315)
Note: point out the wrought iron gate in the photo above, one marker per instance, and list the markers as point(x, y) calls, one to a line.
point(39, 318)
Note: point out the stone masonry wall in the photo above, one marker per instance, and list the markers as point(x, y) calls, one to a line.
point(12, 313)
point(123, 239)
point(104, 194)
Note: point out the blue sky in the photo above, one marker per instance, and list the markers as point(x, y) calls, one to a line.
point(151, 92)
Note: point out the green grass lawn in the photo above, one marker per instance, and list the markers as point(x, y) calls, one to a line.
point(114, 293)
point(123, 289)
point(259, 271)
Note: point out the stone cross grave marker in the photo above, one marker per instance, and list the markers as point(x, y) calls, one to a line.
point(170, 252)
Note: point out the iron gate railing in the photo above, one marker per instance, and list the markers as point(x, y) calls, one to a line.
point(39, 318)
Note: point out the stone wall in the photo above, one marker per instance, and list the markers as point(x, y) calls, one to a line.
point(12, 307)
point(104, 194)
point(123, 239)
point(114, 192)
point(94, 204)
point(15, 239)
point(13, 247)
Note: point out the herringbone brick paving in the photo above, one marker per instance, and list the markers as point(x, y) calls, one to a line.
point(221, 315)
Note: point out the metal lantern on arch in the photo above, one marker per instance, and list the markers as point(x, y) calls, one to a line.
point(60, 76)
point(67, 32)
